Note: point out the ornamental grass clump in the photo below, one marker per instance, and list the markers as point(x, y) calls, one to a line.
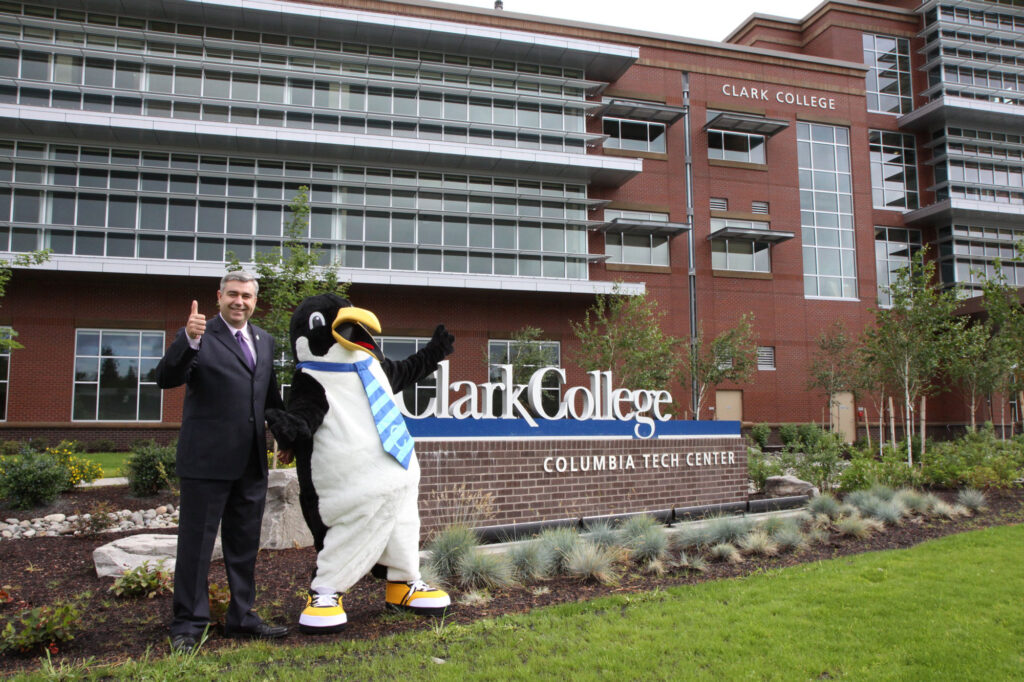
point(690, 537)
point(824, 505)
point(972, 499)
point(448, 548)
point(587, 561)
point(531, 561)
point(789, 538)
point(882, 491)
point(856, 527)
point(650, 548)
point(603, 533)
point(914, 501)
point(727, 529)
point(559, 544)
point(758, 542)
point(636, 526)
point(479, 569)
point(725, 552)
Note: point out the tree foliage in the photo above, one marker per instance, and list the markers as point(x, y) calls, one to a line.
point(730, 356)
point(25, 260)
point(832, 367)
point(914, 338)
point(287, 277)
point(526, 354)
point(623, 333)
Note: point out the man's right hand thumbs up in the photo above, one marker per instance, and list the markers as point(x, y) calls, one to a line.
point(196, 324)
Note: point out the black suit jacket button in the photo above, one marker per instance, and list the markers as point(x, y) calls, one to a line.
point(252, 419)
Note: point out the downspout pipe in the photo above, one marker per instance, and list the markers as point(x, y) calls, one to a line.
point(690, 239)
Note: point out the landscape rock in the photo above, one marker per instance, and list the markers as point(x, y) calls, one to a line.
point(283, 525)
point(124, 554)
point(788, 486)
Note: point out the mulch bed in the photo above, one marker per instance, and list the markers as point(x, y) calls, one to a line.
point(42, 570)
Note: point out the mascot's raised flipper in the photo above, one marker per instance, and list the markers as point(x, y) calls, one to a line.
point(357, 467)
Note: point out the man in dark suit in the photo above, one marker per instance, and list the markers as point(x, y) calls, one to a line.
point(227, 367)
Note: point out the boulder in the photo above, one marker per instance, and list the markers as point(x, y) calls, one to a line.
point(788, 486)
point(283, 525)
point(124, 554)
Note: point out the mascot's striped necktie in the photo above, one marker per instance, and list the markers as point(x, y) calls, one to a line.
point(394, 435)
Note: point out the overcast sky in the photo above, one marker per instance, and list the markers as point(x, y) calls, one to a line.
point(704, 19)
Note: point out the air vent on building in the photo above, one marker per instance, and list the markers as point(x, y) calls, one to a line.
point(719, 204)
point(760, 207)
point(766, 357)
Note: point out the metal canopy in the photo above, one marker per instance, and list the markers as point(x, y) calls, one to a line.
point(656, 228)
point(643, 111)
point(753, 233)
point(747, 123)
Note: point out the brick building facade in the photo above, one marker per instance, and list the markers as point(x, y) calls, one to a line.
point(488, 170)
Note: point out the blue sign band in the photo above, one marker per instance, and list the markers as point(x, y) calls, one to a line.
point(432, 427)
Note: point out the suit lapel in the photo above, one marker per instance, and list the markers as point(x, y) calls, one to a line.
point(226, 335)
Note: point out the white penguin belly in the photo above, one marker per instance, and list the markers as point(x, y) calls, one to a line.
point(353, 475)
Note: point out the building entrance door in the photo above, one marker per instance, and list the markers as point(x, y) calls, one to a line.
point(729, 405)
point(844, 417)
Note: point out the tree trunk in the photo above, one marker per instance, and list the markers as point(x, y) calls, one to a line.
point(867, 429)
point(921, 454)
point(974, 407)
point(892, 423)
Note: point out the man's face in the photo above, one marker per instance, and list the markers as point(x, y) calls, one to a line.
point(236, 301)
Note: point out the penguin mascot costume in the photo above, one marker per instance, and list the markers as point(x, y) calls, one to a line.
point(357, 468)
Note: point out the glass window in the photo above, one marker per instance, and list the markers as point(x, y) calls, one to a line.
point(894, 248)
point(643, 136)
point(888, 80)
point(826, 200)
point(115, 375)
point(728, 145)
point(525, 358)
point(636, 249)
point(893, 170)
point(5, 372)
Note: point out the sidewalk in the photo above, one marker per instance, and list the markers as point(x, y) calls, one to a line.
point(119, 480)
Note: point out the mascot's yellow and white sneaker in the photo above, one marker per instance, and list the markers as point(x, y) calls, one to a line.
point(323, 614)
point(416, 596)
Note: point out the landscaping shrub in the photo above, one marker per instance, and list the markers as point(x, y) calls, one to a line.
point(760, 433)
point(101, 445)
point(972, 499)
point(727, 529)
point(150, 468)
point(38, 443)
point(822, 453)
point(726, 552)
point(31, 479)
point(979, 460)
point(144, 581)
point(761, 466)
point(602, 533)
point(789, 434)
point(43, 627)
point(12, 447)
point(80, 469)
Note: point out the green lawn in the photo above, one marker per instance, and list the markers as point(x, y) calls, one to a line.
point(110, 461)
point(949, 609)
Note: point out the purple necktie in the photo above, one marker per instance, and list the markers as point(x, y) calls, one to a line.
point(245, 350)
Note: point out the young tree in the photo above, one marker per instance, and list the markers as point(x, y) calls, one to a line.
point(1005, 325)
point(623, 334)
point(25, 260)
point(731, 356)
point(912, 339)
point(832, 366)
point(289, 276)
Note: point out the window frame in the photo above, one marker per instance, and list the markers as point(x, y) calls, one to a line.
point(99, 357)
point(551, 395)
point(721, 151)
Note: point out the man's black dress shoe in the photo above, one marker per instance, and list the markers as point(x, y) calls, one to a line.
point(183, 644)
point(258, 631)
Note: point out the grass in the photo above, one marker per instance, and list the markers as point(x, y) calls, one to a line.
point(110, 461)
point(845, 618)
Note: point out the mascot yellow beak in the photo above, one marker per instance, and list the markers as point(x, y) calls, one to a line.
point(361, 319)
